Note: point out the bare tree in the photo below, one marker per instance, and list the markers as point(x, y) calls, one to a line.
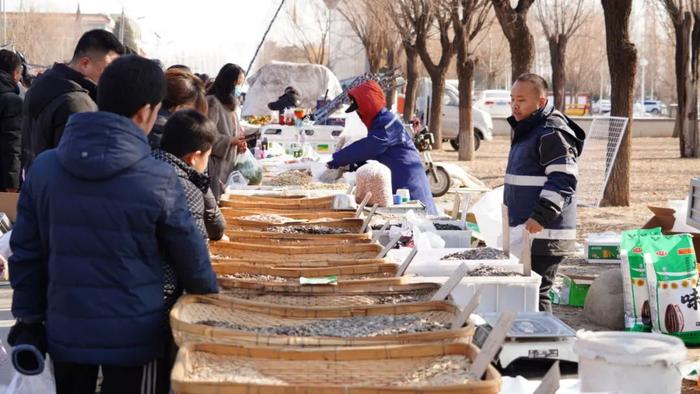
point(365, 20)
point(468, 19)
point(685, 18)
point(513, 22)
point(560, 19)
point(404, 22)
point(430, 16)
point(493, 57)
point(311, 37)
point(622, 62)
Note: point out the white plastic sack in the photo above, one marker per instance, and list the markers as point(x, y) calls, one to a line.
point(248, 166)
point(374, 177)
point(427, 240)
point(22, 384)
point(269, 82)
point(488, 215)
point(236, 180)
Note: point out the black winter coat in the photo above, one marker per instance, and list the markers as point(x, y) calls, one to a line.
point(55, 96)
point(10, 132)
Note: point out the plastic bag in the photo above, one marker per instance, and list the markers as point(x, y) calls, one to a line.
point(672, 277)
point(375, 178)
point(246, 164)
point(488, 215)
point(236, 180)
point(635, 290)
point(22, 384)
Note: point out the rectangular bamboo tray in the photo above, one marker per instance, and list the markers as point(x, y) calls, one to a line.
point(362, 370)
point(343, 287)
point(352, 225)
point(192, 309)
point(239, 212)
point(270, 238)
point(295, 253)
point(282, 263)
point(347, 272)
point(343, 297)
point(279, 203)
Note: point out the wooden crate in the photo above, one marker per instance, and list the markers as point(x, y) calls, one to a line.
point(332, 262)
point(347, 272)
point(270, 238)
point(279, 203)
point(295, 253)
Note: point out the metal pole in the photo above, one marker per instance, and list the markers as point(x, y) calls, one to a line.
point(4, 22)
point(121, 28)
point(263, 38)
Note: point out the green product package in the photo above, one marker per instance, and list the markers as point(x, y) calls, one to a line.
point(672, 277)
point(634, 277)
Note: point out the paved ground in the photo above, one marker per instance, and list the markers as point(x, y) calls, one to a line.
point(6, 321)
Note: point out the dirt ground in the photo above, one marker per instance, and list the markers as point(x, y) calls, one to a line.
point(658, 175)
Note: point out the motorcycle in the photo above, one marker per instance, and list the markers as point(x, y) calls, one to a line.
point(438, 177)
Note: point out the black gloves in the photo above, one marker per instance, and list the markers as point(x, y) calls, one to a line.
point(28, 341)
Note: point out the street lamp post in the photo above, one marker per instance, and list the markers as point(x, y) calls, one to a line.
point(331, 4)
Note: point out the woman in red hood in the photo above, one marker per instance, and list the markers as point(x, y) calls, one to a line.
point(387, 142)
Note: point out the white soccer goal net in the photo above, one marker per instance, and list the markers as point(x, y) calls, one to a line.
point(596, 162)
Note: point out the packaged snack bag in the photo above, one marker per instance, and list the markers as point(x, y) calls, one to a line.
point(636, 292)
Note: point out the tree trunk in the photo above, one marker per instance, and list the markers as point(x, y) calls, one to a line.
point(692, 149)
point(490, 80)
point(522, 49)
point(390, 64)
point(465, 74)
point(557, 53)
point(435, 126)
point(514, 26)
point(409, 106)
point(622, 63)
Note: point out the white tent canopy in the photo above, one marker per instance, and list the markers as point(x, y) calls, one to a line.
point(312, 81)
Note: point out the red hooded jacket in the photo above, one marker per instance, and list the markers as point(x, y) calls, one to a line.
point(370, 100)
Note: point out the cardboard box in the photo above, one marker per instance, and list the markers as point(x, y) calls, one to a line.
point(603, 248)
point(8, 204)
point(663, 217)
point(570, 290)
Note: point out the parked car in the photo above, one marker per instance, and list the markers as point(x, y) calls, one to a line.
point(481, 120)
point(602, 107)
point(495, 102)
point(654, 107)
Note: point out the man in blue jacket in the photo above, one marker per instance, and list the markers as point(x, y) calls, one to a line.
point(94, 216)
point(541, 177)
point(387, 142)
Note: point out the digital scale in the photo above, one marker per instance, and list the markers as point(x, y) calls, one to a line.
point(534, 335)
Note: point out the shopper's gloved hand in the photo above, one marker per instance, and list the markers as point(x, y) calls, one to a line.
point(28, 341)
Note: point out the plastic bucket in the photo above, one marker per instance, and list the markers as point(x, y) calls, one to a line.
point(629, 362)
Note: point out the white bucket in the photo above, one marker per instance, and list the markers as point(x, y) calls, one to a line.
point(629, 362)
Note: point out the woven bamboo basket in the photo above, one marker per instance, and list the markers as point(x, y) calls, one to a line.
point(352, 225)
point(270, 238)
point(347, 272)
point(417, 292)
point(278, 199)
point(295, 253)
point(282, 263)
point(281, 203)
point(343, 287)
point(206, 368)
point(190, 310)
point(238, 212)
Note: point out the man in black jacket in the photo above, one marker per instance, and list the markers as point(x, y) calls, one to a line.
point(64, 90)
point(10, 120)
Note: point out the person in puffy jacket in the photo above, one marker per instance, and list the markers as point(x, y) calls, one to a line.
point(95, 216)
point(387, 142)
point(10, 121)
point(541, 177)
point(64, 90)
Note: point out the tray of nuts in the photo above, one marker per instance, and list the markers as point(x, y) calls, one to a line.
point(406, 369)
point(217, 318)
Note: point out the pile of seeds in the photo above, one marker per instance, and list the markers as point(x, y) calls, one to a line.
point(487, 270)
point(446, 226)
point(477, 254)
point(307, 229)
point(416, 296)
point(313, 300)
point(292, 177)
point(362, 326)
point(257, 277)
point(323, 186)
point(207, 367)
point(269, 218)
point(445, 370)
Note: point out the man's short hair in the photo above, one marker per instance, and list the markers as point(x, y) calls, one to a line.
point(97, 42)
point(539, 82)
point(129, 83)
point(10, 62)
point(188, 131)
